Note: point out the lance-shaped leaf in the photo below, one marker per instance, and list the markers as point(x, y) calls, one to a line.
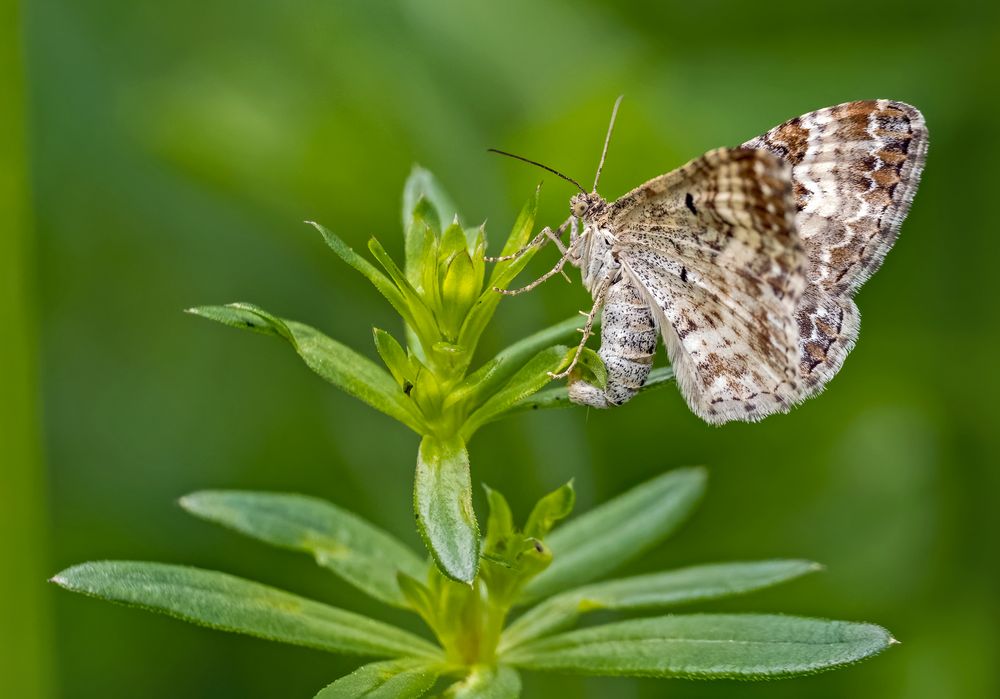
point(421, 184)
point(484, 307)
point(342, 542)
point(559, 397)
point(442, 500)
point(337, 363)
point(500, 523)
point(395, 359)
point(529, 379)
point(390, 679)
point(505, 271)
point(484, 380)
point(487, 682)
point(590, 368)
point(706, 646)
point(381, 282)
point(224, 602)
point(599, 541)
point(654, 591)
point(420, 318)
point(550, 509)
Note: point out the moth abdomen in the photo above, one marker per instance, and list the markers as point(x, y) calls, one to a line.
point(628, 343)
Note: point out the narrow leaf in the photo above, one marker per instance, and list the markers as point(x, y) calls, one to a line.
point(550, 509)
point(500, 523)
point(389, 679)
point(419, 315)
point(453, 240)
point(360, 553)
point(381, 282)
point(395, 358)
point(529, 379)
point(228, 603)
point(520, 234)
point(337, 363)
point(485, 306)
point(559, 397)
point(706, 646)
point(501, 367)
point(421, 184)
point(459, 287)
point(599, 541)
point(655, 591)
point(442, 500)
point(590, 368)
point(487, 682)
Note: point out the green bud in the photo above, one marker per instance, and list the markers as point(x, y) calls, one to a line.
point(550, 509)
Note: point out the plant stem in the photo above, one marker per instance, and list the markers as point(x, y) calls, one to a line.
point(25, 665)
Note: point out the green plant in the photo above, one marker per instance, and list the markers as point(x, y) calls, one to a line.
point(445, 299)
point(534, 566)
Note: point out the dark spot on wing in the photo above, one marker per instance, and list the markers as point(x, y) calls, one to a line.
point(689, 203)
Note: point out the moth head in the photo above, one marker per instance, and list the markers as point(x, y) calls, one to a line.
point(581, 204)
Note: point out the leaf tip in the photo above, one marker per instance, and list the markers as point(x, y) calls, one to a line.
point(893, 641)
point(189, 502)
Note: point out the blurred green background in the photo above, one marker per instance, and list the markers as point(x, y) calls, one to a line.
point(173, 150)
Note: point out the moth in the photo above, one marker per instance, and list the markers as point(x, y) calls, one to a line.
point(745, 261)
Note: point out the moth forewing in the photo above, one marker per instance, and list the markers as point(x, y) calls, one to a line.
point(713, 249)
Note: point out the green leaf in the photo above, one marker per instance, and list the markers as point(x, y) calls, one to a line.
point(389, 679)
point(484, 307)
point(655, 591)
point(501, 367)
point(706, 646)
point(418, 597)
point(590, 368)
point(442, 500)
point(337, 363)
point(520, 234)
point(420, 317)
point(559, 397)
point(382, 283)
point(421, 184)
point(487, 682)
point(453, 241)
point(395, 359)
point(529, 379)
point(617, 531)
point(500, 524)
point(550, 509)
point(342, 542)
point(228, 603)
point(459, 287)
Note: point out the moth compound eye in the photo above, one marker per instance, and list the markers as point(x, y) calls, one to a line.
point(579, 208)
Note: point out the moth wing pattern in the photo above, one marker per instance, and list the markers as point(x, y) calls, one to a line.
point(855, 169)
point(713, 248)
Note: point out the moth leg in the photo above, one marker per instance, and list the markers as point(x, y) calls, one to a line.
point(568, 255)
point(587, 330)
point(539, 240)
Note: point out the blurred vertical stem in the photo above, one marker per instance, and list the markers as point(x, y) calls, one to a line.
point(24, 643)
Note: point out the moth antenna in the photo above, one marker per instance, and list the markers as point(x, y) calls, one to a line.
point(544, 167)
point(607, 140)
